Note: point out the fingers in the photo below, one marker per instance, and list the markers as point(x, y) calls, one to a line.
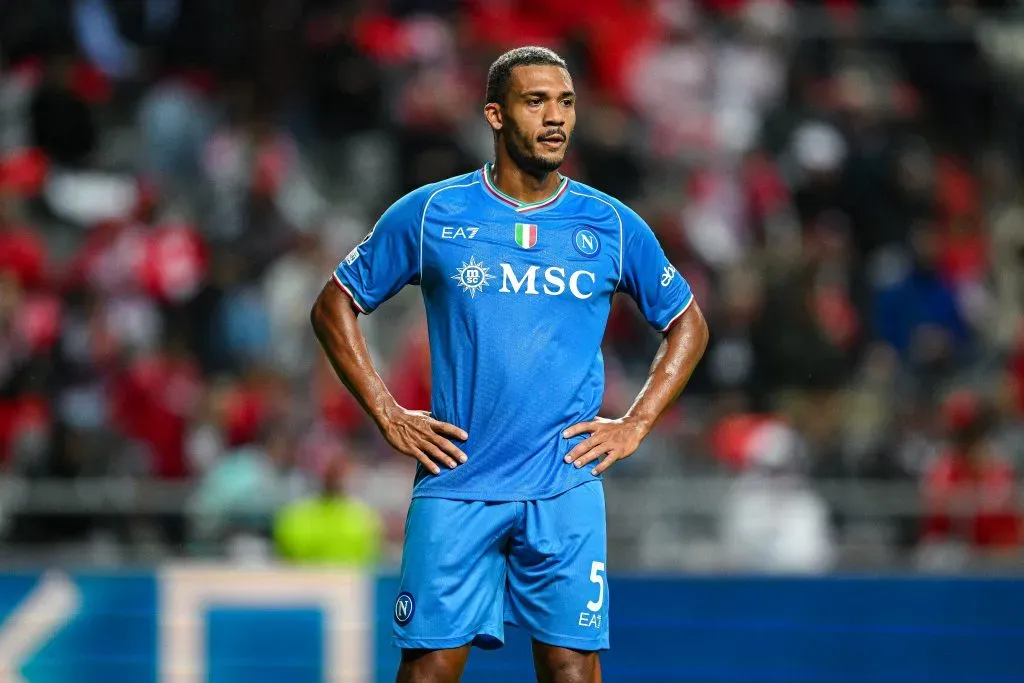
point(591, 454)
point(441, 429)
point(448, 430)
point(449, 448)
point(419, 435)
point(438, 455)
point(580, 428)
point(609, 460)
point(426, 461)
point(581, 448)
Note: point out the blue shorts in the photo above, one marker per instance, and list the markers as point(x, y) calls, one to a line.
point(469, 568)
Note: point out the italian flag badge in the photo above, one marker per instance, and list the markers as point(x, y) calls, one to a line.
point(526, 235)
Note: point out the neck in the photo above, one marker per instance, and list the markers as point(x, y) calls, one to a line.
point(520, 185)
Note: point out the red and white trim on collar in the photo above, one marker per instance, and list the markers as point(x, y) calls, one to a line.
point(515, 203)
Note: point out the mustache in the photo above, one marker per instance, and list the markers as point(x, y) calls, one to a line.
point(551, 132)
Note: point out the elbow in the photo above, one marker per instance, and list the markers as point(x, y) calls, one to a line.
point(320, 314)
point(703, 333)
point(316, 314)
point(332, 311)
point(695, 329)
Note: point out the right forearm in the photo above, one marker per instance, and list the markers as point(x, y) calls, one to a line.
point(337, 329)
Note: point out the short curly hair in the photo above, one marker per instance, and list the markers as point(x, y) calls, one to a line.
point(500, 74)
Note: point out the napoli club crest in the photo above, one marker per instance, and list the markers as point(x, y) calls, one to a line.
point(405, 607)
point(586, 242)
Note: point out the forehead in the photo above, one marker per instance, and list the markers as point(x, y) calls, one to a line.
point(540, 77)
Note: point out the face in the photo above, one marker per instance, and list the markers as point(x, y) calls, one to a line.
point(538, 116)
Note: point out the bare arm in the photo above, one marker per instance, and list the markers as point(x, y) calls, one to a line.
point(680, 351)
point(412, 432)
point(677, 357)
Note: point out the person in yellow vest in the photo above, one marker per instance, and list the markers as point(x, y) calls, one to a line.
point(330, 528)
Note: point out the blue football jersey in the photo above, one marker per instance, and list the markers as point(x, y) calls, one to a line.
point(517, 298)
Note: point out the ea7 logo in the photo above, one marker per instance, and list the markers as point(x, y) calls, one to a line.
point(450, 233)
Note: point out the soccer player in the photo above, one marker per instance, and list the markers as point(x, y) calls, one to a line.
point(517, 265)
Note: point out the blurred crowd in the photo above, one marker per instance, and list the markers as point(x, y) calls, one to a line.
point(178, 179)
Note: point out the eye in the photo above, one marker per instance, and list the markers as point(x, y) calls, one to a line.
point(534, 102)
point(567, 102)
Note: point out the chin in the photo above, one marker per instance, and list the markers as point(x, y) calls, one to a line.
point(535, 161)
point(547, 164)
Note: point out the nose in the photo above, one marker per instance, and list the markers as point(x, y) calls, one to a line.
point(554, 115)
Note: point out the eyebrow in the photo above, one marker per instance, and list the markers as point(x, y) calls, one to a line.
point(544, 93)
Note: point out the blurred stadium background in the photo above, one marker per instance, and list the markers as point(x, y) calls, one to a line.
point(841, 183)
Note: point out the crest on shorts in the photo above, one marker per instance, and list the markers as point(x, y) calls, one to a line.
point(405, 607)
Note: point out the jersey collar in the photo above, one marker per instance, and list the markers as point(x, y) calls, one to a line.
point(515, 203)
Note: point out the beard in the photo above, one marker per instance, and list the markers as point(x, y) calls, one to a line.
point(518, 145)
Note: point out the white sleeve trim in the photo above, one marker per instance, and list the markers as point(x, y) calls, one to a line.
point(678, 315)
point(348, 291)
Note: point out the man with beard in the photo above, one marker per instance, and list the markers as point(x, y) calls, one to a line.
point(518, 266)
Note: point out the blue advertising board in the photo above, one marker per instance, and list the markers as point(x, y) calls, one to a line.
point(191, 624)
point(90, 628)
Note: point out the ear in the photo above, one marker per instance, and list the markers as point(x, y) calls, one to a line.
point(493, 114)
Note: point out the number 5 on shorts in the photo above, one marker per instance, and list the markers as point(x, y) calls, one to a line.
point(595, 577)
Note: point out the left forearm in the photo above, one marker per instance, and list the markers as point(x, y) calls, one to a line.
point(680, 351)
point(614, 440)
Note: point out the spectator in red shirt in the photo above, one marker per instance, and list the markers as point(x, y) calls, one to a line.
point(970, 490)
point(22, 251)
point(154, 400)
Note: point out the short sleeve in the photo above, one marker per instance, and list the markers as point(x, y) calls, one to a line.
point(388, 257)
point(660, 291)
